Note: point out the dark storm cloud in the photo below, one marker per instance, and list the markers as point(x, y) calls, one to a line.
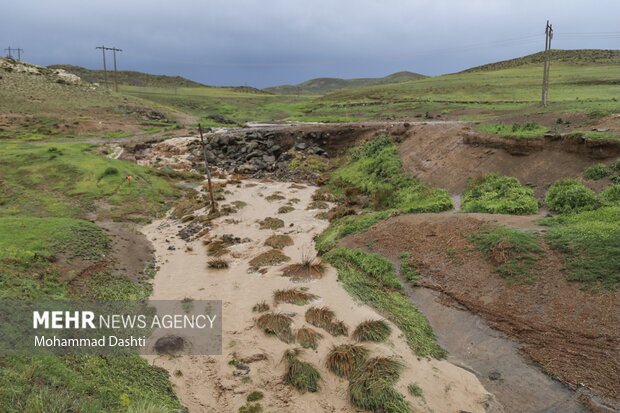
point(266, 42)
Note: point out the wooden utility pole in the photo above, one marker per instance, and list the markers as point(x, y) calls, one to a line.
point(207, 171)
point(114, 50)
point(545, 83)
point(105, 70)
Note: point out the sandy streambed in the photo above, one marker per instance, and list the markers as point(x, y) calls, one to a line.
point(210, 384)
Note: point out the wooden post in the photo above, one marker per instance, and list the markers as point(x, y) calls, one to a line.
point(207, 171)
point(545, 84)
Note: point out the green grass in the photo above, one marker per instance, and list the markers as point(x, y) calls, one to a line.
point(357, 272)
point(376, 170)
point(300, 374)
point(407, 270)
point(513, 252)
point(590, 241)
point(66, 180)
point(569, 195)
point(597, 171)
point(497, 194)
point(371, 386)
point(516, 130)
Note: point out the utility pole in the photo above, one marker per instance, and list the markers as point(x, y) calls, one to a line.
point(114, 50)
point(105, 70)
point(207, 171)
point(545, 84)
point(10, 49)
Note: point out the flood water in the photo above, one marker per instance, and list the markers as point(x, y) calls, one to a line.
point(519, 385)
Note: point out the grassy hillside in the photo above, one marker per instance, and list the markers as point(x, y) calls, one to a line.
point(576, 57)
point(324, 85)
point(128, 77)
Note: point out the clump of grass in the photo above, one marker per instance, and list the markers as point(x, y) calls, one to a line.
point(187, 205)
point(269, 258)
point(344, 359)
point(217, 264)
point(275, 197)
point(570, 195)
point(415, 390)
point(325, 318)
point(591, 243)
point(320, 316)
point(300, 374)
point(239, 204)
point(340, 211)
point(310, 267)
point(260, 307)
point(271, 223)
point(279, 241)
point(514, 252)
point(337, 328)
point(217, 248)
point(372, 330)
point(308, 338)
point(348, 225)
point(376, 170)
point(407, 270)
point(293, 296)
point(285, 209)
point(256, 395)
point(318, 205)
point(276, 324)
point(371, 386)
point(610, 196)
point(598, 171)
point(251, 408)
point(355, 273)
point(497, 194)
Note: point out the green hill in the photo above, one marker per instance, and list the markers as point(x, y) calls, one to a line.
point(578, 57)
point(322, 85)
point(127, 77)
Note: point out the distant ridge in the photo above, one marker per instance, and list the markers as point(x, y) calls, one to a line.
point(578, 56)
point(324, 85)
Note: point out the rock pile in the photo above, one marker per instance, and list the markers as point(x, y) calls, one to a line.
point(257, 151)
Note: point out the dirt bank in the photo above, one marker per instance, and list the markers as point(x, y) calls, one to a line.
point(447, 155)
point(572, 333)
point(210, 384)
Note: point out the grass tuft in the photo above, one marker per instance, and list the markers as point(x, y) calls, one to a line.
point(513, 252)
point(344, 359)
point(279, 241)
point(271, 223)
point(371, 386)
point(495, 194)
point(300, 374)
point(569, 195)
point(217, 264)
point(320, 316)
point(260, 307)
point(372, 330)
point(308, 338)
point(276, 324)
point(293, 296)
point(269, 258)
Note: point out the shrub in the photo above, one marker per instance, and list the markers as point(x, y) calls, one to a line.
point(611, 195)
point(497, 194)
point(255, 396)
point(615, 166)
point(598, 171)
point(569, 195)
point(372, 330)
point(344, 359)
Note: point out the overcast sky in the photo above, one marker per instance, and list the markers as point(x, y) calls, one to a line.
point(268, 42)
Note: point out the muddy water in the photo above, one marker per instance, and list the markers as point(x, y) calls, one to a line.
point(520, 386)
point(211, 384)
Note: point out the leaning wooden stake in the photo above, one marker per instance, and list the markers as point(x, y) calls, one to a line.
point(207, 171)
